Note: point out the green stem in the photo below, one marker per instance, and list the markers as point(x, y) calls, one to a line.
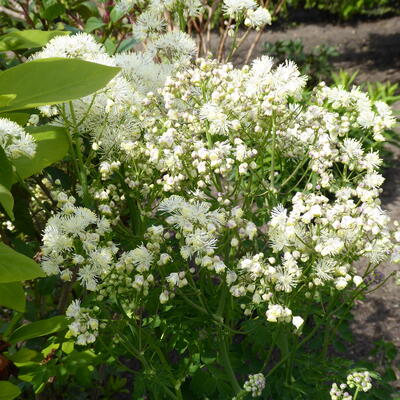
point(227, 363)
point(234, 42)
point(356, 393)
point(80, 163)
point(272, 172)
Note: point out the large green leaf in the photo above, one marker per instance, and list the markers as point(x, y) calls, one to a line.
point(52, 81)
point(52, 145)
point(18, 117)
point(27, 39)
point(8, 391)
point(6, 99)
point(12, 296)
point(38, 328)
point(7, 201)
point(15, 267)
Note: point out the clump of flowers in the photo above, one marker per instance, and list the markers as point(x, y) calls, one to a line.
point(360, 381)
point(83, 327)
point(255, 385)
point(222, 195)
point(75, 245)
point(15, 141)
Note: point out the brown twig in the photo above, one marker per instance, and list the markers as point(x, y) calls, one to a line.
point(253, 46)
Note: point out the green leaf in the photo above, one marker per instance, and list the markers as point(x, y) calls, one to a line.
point(52, 145)
point(54, 11)
point(15, 267)
point(5, 99)
point(116, 14)
point(8, 391)
point(7, 201)
point(86, 9)
point(52, 81)
point(23, 355)
point(27, 39)
point(127, 44)
point(39, 328)
point(93, 23)
point(68, 347)
point(12, 296)
point(203, 382)
point(18, 117)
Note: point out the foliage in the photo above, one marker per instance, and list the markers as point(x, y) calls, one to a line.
point(378, 91)
point(347, 9)
point(317, 64)
point(383, 91)
point(21, 88)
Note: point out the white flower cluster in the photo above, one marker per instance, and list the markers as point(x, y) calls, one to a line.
point(203, 133)
point(361, 381)
point(74, 244)
point(258, 18)
point(15, 141)
point(84, 327)
point(255, 384)
point(218, 148)
point(198, 225)
point(107, 115)
point(338, 392)
point(175, 147)
point(362, 111)
point(238, 8)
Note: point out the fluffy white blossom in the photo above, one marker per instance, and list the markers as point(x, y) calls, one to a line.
point(15, 141)
point(73, 237)
point(258, 18)
point(83, 326)
point(237, 8)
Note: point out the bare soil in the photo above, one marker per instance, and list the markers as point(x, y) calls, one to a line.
point(372, 47)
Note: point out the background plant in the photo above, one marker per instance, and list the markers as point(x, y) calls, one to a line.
point(317, 64)
point(196, 195)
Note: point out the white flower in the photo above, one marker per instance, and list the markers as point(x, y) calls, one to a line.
point(15, 141)
point(236, 8)
point(74, 309)
point(150, 24)
point(277, 313)
point(141, 257)
point(340, 283)
point(88, 276)
point(357, 280)
point(231, 277)
point(297, 321)
point(219, 123)
point(164, 296)
point(80, 45)
point(251, 230)
point(360, 380)
point(258, 18)
point(176, 46)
